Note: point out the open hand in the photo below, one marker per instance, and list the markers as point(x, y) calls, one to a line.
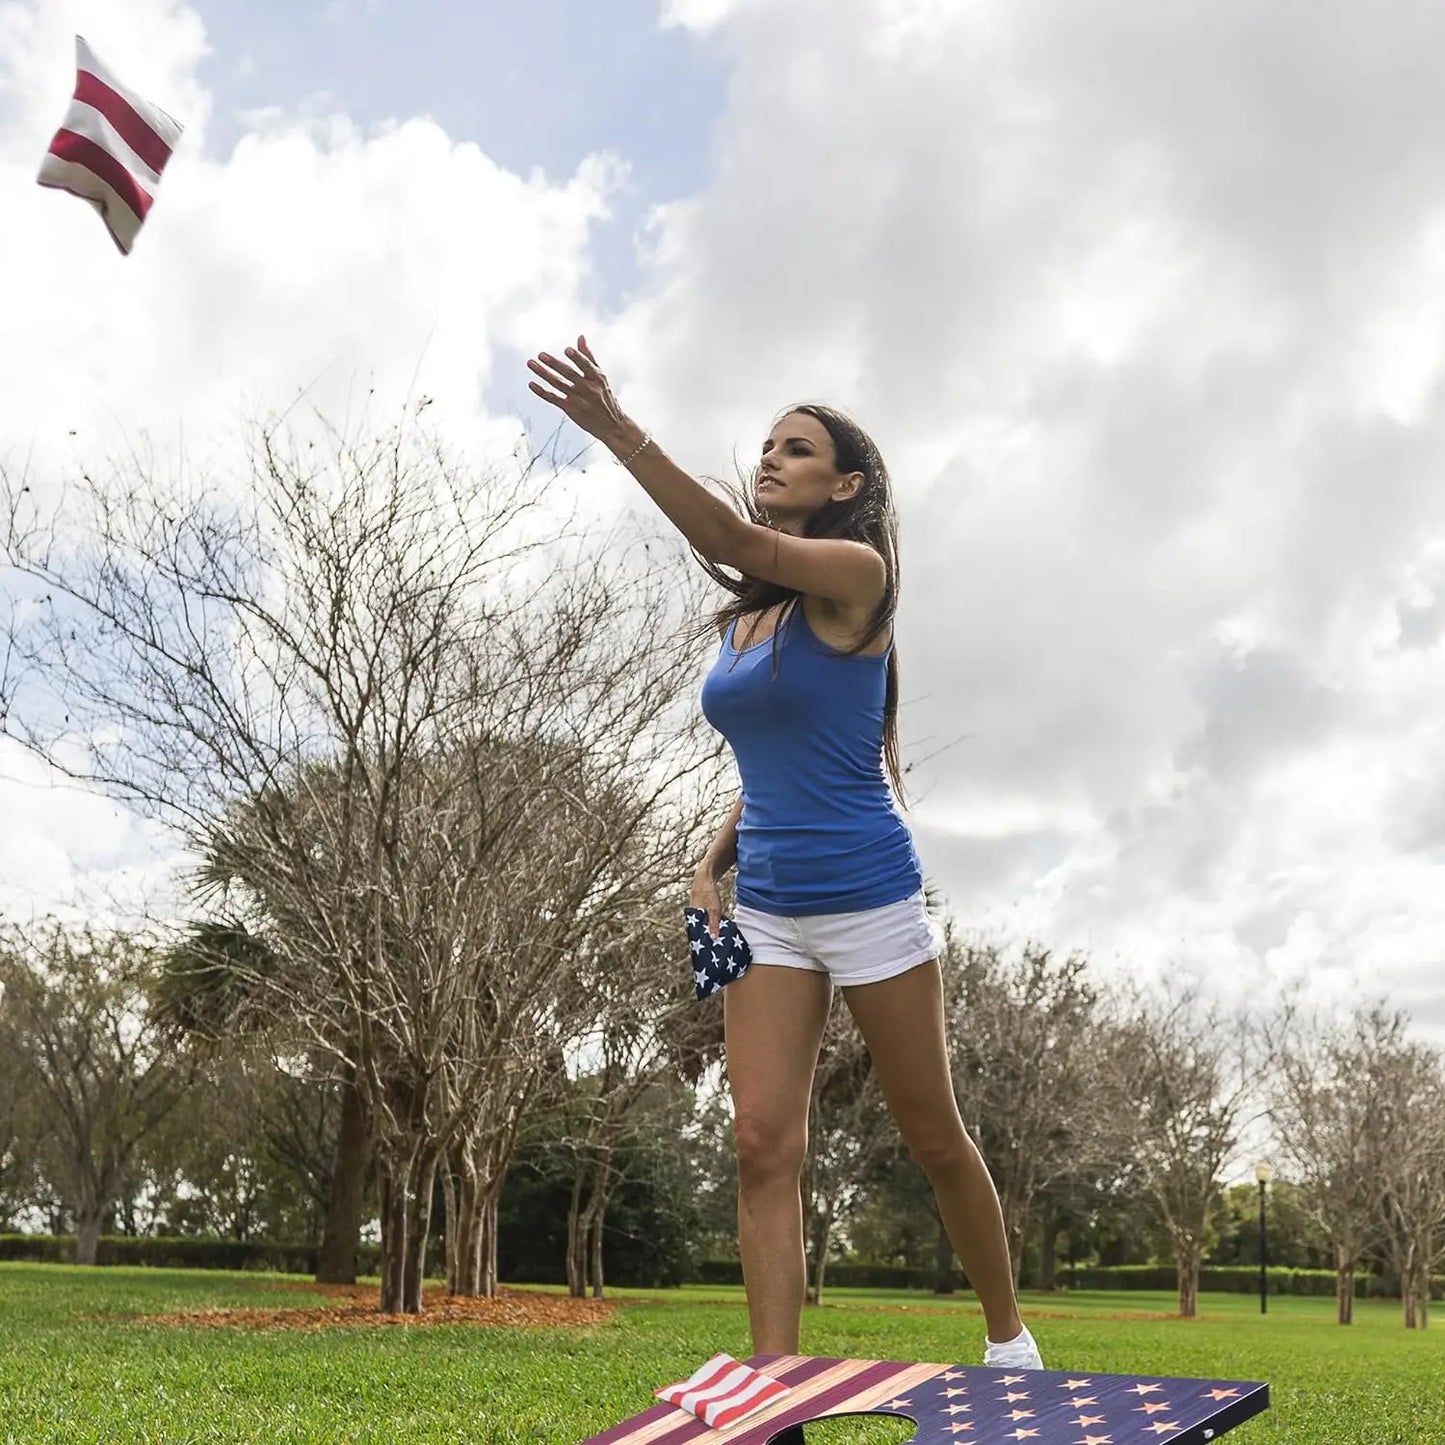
point(580, 390)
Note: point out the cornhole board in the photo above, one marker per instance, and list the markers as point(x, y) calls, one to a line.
point(969, 1405)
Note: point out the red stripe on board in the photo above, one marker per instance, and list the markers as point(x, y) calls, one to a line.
point(81, 151)
point(812, 1409)
point(130, 125)
point(688, 1426)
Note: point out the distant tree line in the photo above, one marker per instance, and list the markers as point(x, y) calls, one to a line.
point(120, 1119)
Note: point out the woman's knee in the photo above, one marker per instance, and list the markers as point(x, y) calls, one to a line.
point(769, 1149)
point(939, 1147)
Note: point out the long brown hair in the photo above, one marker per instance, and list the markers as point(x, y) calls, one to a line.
point(868, 517)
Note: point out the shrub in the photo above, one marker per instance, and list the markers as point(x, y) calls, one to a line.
point(163, 1252)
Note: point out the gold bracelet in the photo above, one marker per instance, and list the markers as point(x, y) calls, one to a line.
point(645, 442)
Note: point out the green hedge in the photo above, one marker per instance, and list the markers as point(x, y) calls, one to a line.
point(841, 1274)
point(1230, 1279)
point(1161, 1278)
point(161, 1252)
point(190, 1253)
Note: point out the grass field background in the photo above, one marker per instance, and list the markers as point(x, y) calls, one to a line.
point(76, 1366)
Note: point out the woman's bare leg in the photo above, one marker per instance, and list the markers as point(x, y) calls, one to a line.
point(901, 1020)
point(773, 1022)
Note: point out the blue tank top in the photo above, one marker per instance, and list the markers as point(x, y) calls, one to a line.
point(820, 830)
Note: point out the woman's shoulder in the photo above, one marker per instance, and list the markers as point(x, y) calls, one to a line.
point(843, 629)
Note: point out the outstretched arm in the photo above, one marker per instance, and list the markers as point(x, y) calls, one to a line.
point(850, 573)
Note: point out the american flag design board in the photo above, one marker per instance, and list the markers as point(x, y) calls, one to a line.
point(111, 148)
point(968, 1405)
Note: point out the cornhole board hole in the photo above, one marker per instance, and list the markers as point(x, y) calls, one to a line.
point(969, 1405)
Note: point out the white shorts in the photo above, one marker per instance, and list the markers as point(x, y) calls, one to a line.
point(851, 948)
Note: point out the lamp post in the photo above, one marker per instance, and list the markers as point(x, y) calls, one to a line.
point(1263, 1172)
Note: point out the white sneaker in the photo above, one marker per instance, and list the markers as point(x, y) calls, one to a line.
point(1019, 1353)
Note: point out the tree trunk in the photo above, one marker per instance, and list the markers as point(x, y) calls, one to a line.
point(394, 1215)
point(942, 1262)
point(475, 1213)
point(822, 1237)
point(1048, 1255)
point(469, 1225)
point(576, 1258)
point(489, 1240)
point(820, 1268)
point(478, 1191)
point(87, 1234)
point(420, 1185)
point(598, 1284)
point(452, 1224)
point(588, 1242)
point(1016, 1217)
point(1344, 1286)
point(1408, 1293)
point(341, 1234)
point(1187, 1262)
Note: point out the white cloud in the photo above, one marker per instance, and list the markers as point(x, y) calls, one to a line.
point(64, 849)
point(314, 256)
point(699, 15)
point(1143, 304)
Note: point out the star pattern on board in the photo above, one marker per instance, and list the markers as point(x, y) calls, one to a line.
point(973, 1405)
point(716, 962)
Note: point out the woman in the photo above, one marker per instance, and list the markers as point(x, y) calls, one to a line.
point(805, 688)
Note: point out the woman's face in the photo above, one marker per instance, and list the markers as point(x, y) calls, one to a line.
point(797, 472)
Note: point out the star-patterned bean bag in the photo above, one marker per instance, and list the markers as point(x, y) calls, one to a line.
point(718, 961)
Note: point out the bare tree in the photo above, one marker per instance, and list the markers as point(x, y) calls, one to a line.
point(1182, 1077)
point(1330, 1092)
point(415, 735)
point(1024, 1037)
point(77, 1013)
point(521, 870)
point(1412, 1118)
point(604, 980)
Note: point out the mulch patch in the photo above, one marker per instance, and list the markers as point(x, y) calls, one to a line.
point(355, 1304)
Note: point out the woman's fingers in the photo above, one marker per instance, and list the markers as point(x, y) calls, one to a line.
point(585, 361)
point(547, 395)
point(558, 373)
point(572, 371)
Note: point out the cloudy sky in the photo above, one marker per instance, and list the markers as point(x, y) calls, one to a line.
point(1143, 303)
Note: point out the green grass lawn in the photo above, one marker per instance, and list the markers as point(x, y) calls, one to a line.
point(75, 1367)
